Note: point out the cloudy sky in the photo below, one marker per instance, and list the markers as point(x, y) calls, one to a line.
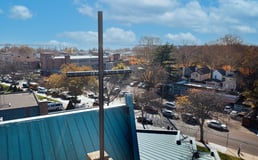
point(74, 22)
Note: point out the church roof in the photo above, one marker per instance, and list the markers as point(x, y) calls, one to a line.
point(69, 135)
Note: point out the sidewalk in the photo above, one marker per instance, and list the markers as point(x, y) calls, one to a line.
point(229, 151)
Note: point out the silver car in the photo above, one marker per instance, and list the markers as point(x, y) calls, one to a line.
point(215, 124)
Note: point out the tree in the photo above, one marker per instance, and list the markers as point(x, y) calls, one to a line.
point(230, 39)
point(162, 53)
point(147, 99)
point(201, 103)
point(74, 85)
point(113, 83)
point(148, 74)
point(146, 47)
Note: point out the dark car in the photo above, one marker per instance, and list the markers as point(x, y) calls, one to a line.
point(215, 124)
point(151, 109)
point(94, 96)
point(189, 118)
point(65, 96)
point(144, 120)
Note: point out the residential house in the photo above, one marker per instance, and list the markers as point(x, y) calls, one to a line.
point(75, 135)
point(188, 71)
point(229, 83)
point(225, 79)
point(201, 74)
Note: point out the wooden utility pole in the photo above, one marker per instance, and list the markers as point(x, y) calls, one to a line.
point(101, 71)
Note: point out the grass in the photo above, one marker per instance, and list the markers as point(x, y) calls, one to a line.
point(44, 97)
point(222, 156)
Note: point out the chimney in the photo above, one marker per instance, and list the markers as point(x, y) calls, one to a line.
point(96, 156)
point(43, 108)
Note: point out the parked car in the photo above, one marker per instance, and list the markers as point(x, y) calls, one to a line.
point(42, 90)
point(189, 118)
point(144, 120)
point(215, 124)
point(136, 106)
point(233, 114)
point(227, 109)
point(79, 105)
point(170, 105)
point(134, 83)
point(25, 85)
point(170, 114)
point(151, 109)
point(65, 95)
point(92, 95)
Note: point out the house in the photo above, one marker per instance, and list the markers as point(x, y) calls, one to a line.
point(226, 79)
point(201, 74)
point(229, 83)
point(188, 71)
point(218, 74)
point(75, 135)
point(20, 105)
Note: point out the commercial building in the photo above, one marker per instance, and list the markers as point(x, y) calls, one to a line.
point(51, 63)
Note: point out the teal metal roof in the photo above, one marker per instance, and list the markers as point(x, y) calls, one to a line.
point(156, 145)
point(69, 136)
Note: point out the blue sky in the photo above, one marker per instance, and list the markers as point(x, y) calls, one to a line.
point(73, 23)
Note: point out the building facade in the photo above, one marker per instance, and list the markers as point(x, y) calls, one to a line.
point(50, 63)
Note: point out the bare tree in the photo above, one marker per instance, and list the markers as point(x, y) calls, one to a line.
point(230, 39)
point(201, 103)
point(148, 45)
point(112, 87)
point(146, 100)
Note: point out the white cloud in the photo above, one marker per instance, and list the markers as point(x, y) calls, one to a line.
point(20, 12)
point(245, 29)
point(112, 37)
point(86, 10)
point(221, 17)
point(186, 38)
point(58, 43)
point(117, 35)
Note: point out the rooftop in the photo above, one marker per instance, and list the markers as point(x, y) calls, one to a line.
point(157, 144)
point(17, 100)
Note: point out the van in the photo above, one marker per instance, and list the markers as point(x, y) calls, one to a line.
point(55, 106)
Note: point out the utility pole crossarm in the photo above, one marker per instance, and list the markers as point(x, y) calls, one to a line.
point(96, 73)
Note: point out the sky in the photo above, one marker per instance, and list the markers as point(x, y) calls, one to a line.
point(74, 23)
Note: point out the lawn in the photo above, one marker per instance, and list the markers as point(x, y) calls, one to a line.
point(223, 156)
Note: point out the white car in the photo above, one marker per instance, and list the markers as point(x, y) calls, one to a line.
point(233, 114)
point(215, 124)
point(42, 90)
point(170, 114)
point(170, 105)
point(227, 109)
